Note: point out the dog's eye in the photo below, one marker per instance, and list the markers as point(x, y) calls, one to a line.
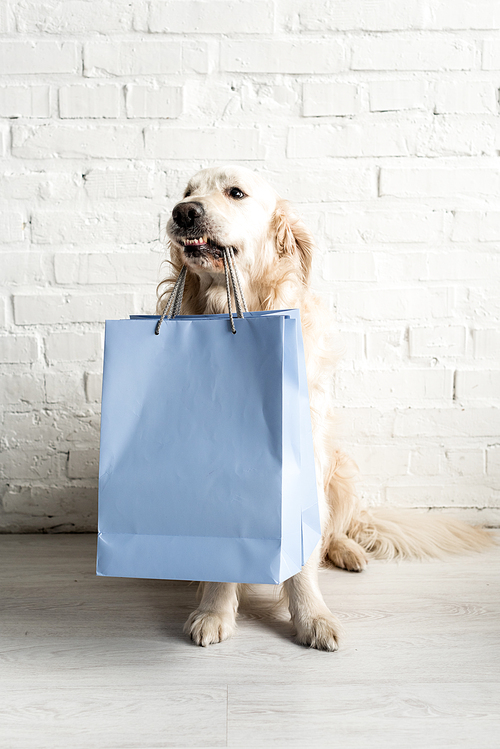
point(236, 193)
point(187, 193)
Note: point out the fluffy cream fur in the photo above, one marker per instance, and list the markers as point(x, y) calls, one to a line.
point(274, 253)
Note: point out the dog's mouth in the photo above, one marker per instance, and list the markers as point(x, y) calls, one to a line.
point(201, 247)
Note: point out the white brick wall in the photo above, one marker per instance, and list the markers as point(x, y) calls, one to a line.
point(379, 120)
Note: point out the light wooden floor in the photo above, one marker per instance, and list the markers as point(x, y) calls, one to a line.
point(99, 662)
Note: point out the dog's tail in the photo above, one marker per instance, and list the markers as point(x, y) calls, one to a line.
point(391, 533)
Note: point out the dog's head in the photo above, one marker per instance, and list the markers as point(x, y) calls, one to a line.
point(234, 207)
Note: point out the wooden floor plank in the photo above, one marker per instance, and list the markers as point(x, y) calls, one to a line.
point(424, 715)
point(86, 656)
point(113, 716)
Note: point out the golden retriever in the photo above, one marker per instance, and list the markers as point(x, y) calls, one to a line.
point(234, 207)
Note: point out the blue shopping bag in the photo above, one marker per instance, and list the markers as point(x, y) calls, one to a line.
point(206, 463)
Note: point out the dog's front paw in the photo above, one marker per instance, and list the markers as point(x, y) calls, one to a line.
point(321, 632)
point(208, 627)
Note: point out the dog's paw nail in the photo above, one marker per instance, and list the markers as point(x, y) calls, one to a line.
point(208, 628)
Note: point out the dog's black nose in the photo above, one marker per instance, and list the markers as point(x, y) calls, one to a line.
point(186, 214)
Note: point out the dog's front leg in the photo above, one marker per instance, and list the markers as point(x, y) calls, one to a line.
point(314, 623)
point(214, 619)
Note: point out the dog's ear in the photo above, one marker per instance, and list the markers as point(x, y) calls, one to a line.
point(292, 238)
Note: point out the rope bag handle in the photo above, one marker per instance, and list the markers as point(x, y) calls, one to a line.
point(232, 276)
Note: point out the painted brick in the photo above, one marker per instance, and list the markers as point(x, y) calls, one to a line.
point(28, 464)
point(24, 101)
point(6, 19)
point(345, 15)
point(400, 268)
point(59, 227)
point(356, 422)
point(340, 182)
point(440, 495)
point(145, 101)
point(375, 227)
point(486, 343)
point(478, 385)
point(463, 265)
point(73, 347)
point(64, 388)
point(386, 346)
point(73, 16)
point(401, 138)
point(456, 421)
point(352, 139)
point(18, 349)
point(489, 227)
point(22, 268)
point(449, 135)
point(123, 267)
point(465, 462)
point(439, 182)
point(200, 56)
point(425, 461)
point(466, 96)
point(493, 460)
point(386, 96)
point(46, 309)
point(491, 55)
point(93, 386)
point(421, 53)
point(465, 226)
point(20, 500)
point(42, 185)
point(119, 183)
point(71, 141)
point(212, 16)
point(412, 385)
point(298, 56)
point(476, 226)
point(12, 226)
point(191, 143)
point(83, 464)
point(441, 340)
point(18, 389)
point(64, 509)
point(350, 346)
point(132, 58)
point(349, 266)
point(79, 101)
point(18, 57)
point(324, 99)
point(372, 459)
point(80, 428)
point(465, 14)
point(31, 428)
point(395, 304)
